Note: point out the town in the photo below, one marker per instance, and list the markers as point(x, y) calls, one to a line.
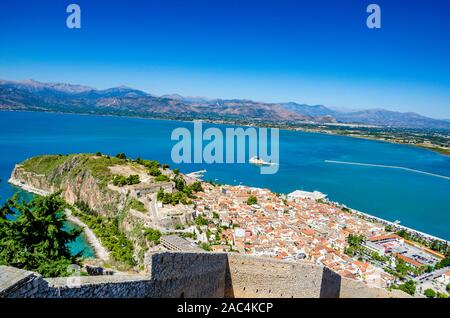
point(306, 226)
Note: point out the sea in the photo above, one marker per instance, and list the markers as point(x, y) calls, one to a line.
point(391, 181)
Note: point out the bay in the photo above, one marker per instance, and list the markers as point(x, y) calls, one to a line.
point(418, 200)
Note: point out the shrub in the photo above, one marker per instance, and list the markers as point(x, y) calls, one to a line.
point(199, 220)
point(120, 181)
point(153, 235)
point(162, 178)
point(196, 186)
point(206, 247)
point(430, 293)
point(252, 200)
point(408, 287)
point(121, 156)
point(154, 171)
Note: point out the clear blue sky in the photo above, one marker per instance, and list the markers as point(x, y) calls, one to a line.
point(316, 52)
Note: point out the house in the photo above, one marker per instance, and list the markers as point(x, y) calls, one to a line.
point(446, 277)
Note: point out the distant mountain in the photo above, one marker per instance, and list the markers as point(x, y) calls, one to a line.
point(37, 96)
point(122, 100)
point(377, 117)
point(38, 87)
point(382, 117)
point(309, 110)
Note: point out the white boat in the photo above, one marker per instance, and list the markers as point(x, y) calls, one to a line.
point(259, 162)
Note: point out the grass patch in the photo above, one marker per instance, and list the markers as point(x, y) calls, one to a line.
point(137, 205)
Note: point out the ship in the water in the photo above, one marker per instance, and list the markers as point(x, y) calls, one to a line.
point(259, 162)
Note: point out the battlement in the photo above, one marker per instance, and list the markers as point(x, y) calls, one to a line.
point(184, 274)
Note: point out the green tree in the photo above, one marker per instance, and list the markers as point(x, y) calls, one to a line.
point(430, 293)
point(200, 220)
point(196, 186)
point(206, 247)
point(162, 178)
point(252, 200)
point(180, 183)
point(165, 166)
point(355, 240)
point(36, 239)
point(448, 288)
point(408, 287)
point(153, 235)
point(121, 156)
point(154, 171)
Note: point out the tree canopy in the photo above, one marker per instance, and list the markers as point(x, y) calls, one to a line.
point(34, 238)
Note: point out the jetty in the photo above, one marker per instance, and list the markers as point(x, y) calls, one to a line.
point(388, 167)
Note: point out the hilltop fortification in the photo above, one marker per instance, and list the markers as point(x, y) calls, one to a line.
point(193, 275)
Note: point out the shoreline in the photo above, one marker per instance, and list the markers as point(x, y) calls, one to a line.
point(373, 219)
point(442, 152)
point(394, 225)
point(100, 252)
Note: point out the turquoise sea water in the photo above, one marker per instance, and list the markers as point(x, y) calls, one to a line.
point(417, 200)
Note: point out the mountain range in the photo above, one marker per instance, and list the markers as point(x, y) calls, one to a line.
point(32, 95)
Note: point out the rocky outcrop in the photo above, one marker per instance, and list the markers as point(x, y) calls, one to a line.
point(74, 176)
point(76, 185)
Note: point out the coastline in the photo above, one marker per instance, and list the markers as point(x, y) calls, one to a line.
point(394, 225)
point(100, 252)
point(440, 151)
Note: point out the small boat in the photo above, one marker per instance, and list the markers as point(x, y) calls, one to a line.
point(259, 162)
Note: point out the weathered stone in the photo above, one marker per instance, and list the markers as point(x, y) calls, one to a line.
point(180, 274)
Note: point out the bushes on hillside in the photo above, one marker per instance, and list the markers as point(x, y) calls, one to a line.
point(107, 230)
point(120, 181)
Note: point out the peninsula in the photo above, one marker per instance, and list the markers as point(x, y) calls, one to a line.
point(132, 204)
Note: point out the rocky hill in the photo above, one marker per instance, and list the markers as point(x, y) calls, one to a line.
point(115, 196)
point(124, 101)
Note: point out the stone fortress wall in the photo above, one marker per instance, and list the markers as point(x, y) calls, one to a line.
point(190, 275)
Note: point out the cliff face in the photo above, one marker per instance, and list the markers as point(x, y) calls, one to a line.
point(85, 178)
point(76, 184)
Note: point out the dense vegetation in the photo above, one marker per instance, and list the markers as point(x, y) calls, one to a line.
point(96, 165)
point(33, 236)
point(152, 235)
point(137, 205)
point(252, 200)
point(184, 193)
point(120, 181)
point(107, 230)
point(408, 287)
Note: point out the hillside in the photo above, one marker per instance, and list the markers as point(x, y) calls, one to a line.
point(124, 101)
point(114, 196)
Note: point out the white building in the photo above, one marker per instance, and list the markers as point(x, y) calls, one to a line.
point(299, 194)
